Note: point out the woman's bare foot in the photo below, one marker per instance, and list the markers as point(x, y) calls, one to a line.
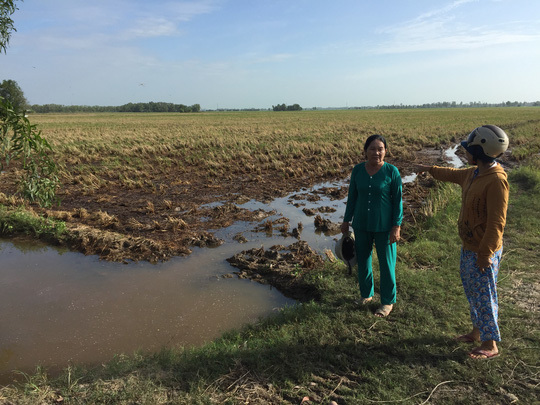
point(364, 301)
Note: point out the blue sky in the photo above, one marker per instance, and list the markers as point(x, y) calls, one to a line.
point(255, 53)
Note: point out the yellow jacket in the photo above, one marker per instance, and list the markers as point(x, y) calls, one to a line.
point(484, 200)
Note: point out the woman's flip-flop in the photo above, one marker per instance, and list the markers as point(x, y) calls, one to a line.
point(481, 354)
point(465, 339)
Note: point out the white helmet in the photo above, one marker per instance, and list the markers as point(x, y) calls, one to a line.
point(345, 249)
point(491, 139)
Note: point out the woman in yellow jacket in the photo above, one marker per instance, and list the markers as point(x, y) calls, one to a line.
point(481, 224)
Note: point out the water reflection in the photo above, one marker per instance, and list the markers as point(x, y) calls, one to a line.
point(409, 178)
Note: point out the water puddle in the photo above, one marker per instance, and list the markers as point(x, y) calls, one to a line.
point(59, 307)
point(452, 158)
point(294, 208)
point(409, 178)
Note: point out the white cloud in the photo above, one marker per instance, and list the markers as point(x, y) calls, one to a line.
point(456, 41)
point(186, 11)
point(165, 19)
point(441, 30)
point(151, 28)
point(443, 10)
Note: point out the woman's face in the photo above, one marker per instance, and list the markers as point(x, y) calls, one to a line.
point(470, 158)
point(375, 153)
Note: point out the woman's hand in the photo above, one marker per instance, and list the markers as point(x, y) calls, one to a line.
point(345, 227)
point(395, 234)
point(483, 264)
point(422, 168)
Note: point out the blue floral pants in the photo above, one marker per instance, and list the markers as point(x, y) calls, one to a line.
point(481, 291)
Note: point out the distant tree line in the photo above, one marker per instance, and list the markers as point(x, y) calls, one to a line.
point(453, 104)
point(160, 107)
point(10, 91)
point(283, 107)
point(238, 109)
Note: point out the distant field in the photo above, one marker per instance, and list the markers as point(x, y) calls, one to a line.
point(131, 150)
point(263, 139)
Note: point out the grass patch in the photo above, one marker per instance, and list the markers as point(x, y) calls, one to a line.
point(435, 238)
point(23, 221)
point(334, 350)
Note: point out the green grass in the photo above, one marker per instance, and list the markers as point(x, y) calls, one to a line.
point(22, 221)
point(334, 350)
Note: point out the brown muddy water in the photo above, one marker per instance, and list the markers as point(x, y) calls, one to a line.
point(59, 308)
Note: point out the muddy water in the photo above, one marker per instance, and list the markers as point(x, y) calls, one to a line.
point(285, 208)
point(59, 308)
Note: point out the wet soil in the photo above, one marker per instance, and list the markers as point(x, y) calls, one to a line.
point(280, 266)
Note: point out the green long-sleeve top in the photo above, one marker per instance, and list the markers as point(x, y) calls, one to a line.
point(374, 202)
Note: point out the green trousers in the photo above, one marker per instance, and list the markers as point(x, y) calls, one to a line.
point(386, 254)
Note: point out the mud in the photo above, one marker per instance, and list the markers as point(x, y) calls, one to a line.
point(280, 266)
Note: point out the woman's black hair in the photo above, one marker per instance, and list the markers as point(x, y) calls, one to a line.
point(374, 138)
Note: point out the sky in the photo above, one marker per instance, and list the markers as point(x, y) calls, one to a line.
point(260, 53)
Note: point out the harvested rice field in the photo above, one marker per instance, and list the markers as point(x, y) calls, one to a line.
point(152, 186)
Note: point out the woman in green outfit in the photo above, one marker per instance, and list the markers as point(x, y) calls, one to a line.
point(375, 207)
